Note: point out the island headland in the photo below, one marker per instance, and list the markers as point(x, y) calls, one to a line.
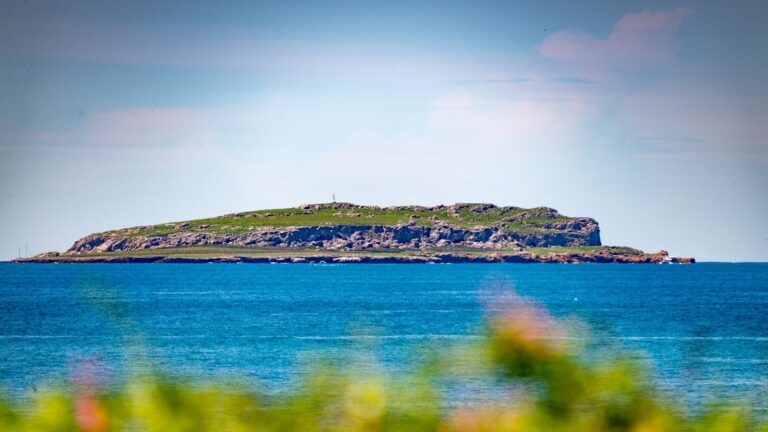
point(350, 233)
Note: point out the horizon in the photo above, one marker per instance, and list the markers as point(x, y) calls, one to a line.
point(649, 117)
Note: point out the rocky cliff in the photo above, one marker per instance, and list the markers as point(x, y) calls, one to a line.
point(350, 227)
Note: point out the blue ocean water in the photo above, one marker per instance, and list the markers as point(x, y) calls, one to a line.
point(704, 326)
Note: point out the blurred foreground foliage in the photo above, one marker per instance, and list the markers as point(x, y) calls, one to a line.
point(548, 385)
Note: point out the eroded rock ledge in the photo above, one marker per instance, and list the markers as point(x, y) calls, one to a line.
point(581, 232)
point(474, 226)
point(660, 257)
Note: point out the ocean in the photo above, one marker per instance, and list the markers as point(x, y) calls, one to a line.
point(702, 329)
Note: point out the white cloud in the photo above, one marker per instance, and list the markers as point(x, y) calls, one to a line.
point(637, 40)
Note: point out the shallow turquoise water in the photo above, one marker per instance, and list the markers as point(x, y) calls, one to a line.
point(704, 326)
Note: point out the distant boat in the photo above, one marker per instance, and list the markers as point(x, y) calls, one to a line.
point(667, 260)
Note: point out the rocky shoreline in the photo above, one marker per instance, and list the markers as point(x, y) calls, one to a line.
point(351, 233)
point(345, 227)
point(354, 237)
point(660, 257)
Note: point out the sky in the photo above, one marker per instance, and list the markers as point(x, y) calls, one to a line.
point(651, 117)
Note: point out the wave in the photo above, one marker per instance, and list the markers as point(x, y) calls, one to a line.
point(733, 360)
point(374, 337)
point(45, 336)
point(708, 338)
point(422, 336)
point(319, 337)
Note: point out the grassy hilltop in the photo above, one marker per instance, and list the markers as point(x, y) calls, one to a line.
point(461, 215)
point(344, 232)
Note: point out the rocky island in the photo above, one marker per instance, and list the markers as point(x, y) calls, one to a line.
point(350, 233)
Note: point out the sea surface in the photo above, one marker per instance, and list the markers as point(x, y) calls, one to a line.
point(703, 328)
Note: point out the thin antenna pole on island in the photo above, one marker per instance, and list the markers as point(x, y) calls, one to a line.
point(334, 197)
point(19, 251)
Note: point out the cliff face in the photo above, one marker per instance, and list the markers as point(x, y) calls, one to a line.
point(349, 227)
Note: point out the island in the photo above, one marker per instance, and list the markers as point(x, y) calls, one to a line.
point(351, 233)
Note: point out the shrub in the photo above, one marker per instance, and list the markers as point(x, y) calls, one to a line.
point(550, 387)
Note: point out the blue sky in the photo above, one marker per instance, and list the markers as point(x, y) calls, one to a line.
point(650, 116)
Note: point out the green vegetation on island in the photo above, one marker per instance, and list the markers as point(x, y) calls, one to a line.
point(344, 232)
point(461, 215)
